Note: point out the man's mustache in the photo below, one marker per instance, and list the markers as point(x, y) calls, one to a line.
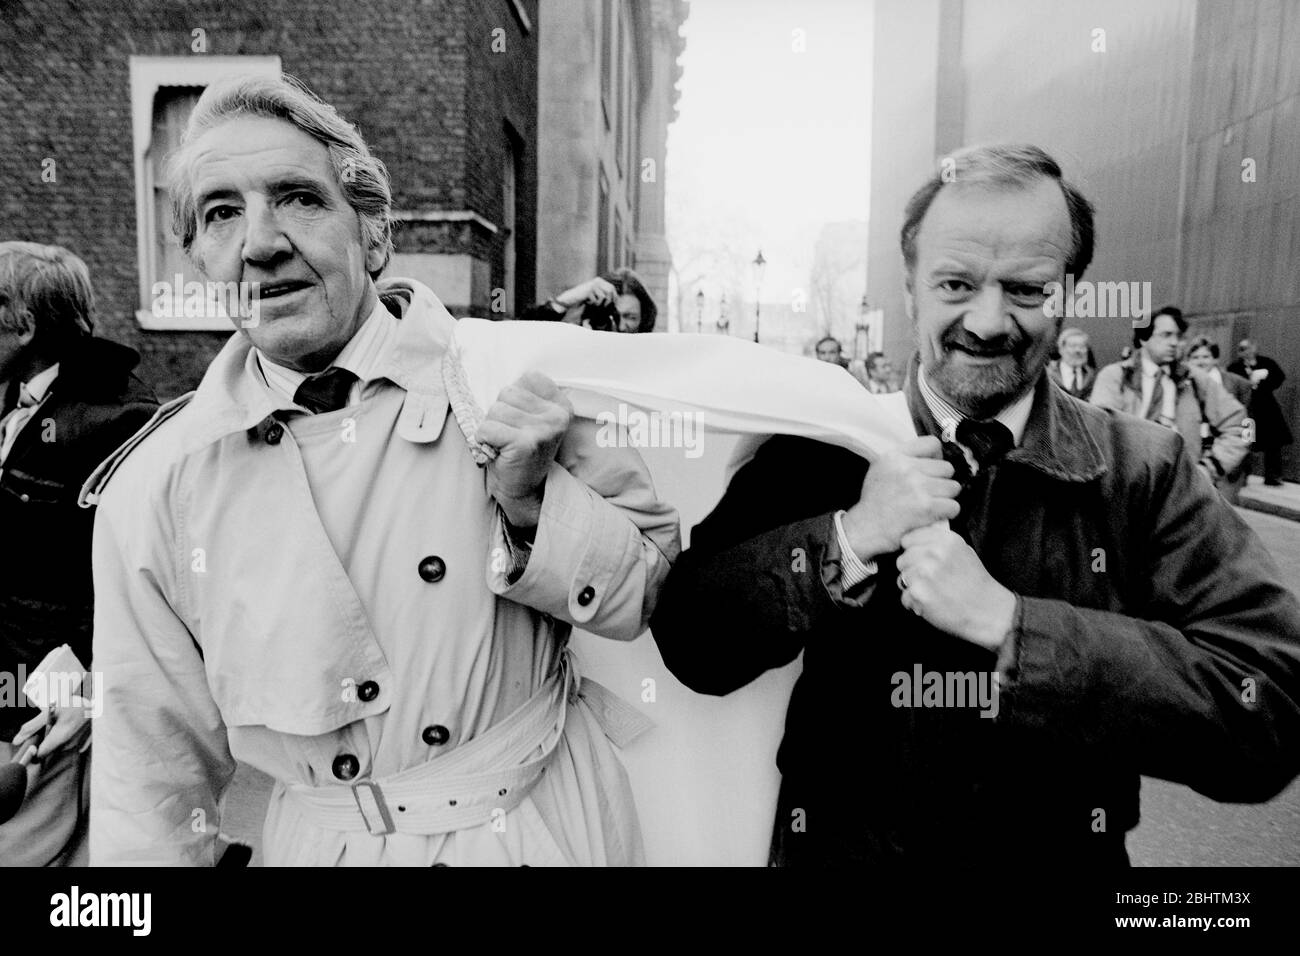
point(959, 338)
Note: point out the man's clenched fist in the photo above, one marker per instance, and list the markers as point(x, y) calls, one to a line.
point(904, 489)
point(948, 586)
point(525, 424)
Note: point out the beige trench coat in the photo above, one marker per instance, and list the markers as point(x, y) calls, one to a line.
point(230, 627)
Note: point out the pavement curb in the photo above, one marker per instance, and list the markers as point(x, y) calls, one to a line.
point(1283, 502)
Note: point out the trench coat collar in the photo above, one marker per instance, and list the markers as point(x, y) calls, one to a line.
point(1059, 439)
point(231, 398)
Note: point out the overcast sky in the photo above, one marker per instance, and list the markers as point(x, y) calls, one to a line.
point(770, 142)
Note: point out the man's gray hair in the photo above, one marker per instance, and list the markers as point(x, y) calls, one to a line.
point(361, 177)
point(46, 290)
point(1012, 166)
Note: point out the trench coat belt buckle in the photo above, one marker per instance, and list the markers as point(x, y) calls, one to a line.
point(463, 788)
point(492, 773)
point(379, 808)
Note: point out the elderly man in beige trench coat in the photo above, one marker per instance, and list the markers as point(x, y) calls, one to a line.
point(302, 566)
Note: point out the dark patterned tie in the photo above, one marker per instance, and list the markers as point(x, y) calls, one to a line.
point(954, 456)
point(326, 392)
point(988, 441)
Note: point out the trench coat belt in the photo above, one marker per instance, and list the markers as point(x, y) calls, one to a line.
point(479, 780)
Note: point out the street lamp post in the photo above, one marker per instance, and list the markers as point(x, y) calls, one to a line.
point(699, 310)
point(860, 343)
point(759, 264)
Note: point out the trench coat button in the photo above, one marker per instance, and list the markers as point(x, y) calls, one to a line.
point(436, 735)
point(274, 434)
point(586, 595)
point(368, 691)
point(433, 568)
point(346, 766)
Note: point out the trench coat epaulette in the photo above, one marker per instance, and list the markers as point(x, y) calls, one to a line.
point(99, 478)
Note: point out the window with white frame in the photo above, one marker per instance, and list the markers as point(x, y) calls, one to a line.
point(163, 93)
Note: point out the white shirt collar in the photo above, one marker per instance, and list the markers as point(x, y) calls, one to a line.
point(364, 355)
point(1149, 368)
point(40, 383)
point(1014, 415)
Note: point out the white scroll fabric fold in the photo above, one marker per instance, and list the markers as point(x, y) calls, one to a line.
point(704, 750)
point(732, 386)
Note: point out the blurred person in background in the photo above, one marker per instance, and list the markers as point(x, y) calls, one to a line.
point(1204, 355)
point(1074, 371)
point(69, 399)
point(880, 375)
point(611, 302)
point(1156, 384)
point(1271, 431)
point(829, 350)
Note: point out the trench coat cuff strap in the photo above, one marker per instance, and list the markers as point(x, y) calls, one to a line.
point(579, 545)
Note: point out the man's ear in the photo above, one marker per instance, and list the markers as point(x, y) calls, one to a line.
point(909, 296)
point(25, 338)
point(375, 259)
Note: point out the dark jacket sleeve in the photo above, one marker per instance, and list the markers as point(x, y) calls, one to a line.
point(1202, 685)
point(1275, 375)
point(762, 571)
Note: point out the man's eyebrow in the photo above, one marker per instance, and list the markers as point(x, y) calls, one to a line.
point(215, 192)
point(291, 183)
point(277, 187)
point(950, 265)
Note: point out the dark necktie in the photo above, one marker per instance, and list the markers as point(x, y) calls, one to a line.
point(326, 392)
point(1155, 411)
point(988, 440)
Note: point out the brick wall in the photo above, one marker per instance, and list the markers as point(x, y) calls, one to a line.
point(492, 101)
point(415, 75)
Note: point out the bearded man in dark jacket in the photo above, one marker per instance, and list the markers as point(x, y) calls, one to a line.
point(990, 693)
point(69, 400)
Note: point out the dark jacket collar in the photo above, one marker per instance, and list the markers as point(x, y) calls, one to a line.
point(1059, 438)
point(94, 368)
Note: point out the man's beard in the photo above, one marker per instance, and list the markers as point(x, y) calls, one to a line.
point(984, 390)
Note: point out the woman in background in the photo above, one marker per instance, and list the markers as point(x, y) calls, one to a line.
point(611, 302)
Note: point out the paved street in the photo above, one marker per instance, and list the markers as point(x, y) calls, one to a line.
point(1178, 826)
point(1182, 828)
